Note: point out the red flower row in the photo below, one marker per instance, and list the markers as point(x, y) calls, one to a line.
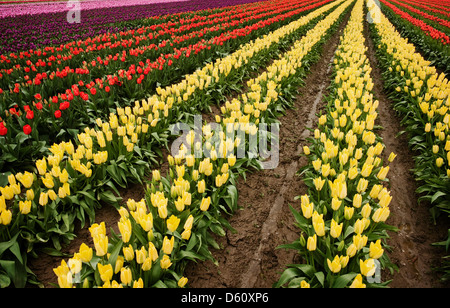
point(427, 29)
point(442, 22)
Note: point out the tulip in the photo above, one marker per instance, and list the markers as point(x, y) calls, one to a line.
point(126, 276)
point(367, 267)
point(125, 229)
point(141, 255)
point(205, 204)
point(335, 229)
point(344, 261)
point(172, 223)
point(201, 186)
point(105, 271)
point(357, 199)
point(138, 284)
point(304, 284)
point(152, 252)
point(366, 210)
point(146, 222)
point(43, 198)
point(351, 250)
point(128, 253)
point(25, 207)
point(101, 245)
point(439, 162)
point(307, 210)
point(189, 222)
point(362, 185)
point(348, 212)
point(335, 265)
point(359, 226)
point(165, 262)
point(318, 224)
point(147, 265)
point(357, 282)
point(382, 173)
point(85, 253)
point(311, 244)
point(381, 214)
point(167, 246)
point(375, 250)
point(6, 217)
point(319, 182)
point(182, 282)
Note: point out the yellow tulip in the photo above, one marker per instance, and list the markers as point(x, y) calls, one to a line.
point(126, 276)
point(304, 284)
point(128, 253)
point(25, 207)
point(335, 265)
point(6, 217)
point(307, 210)
point(359, 226)
point(351, 250)
point(189, 222)
point(138, 283)
point(311, 244)
point(362, 185)
point(125, 229)
point(357, 282)
point(366, 210)
point(318, 224)
point(2, 203)
point(167, 246)
point(367, 267)
point(186, 234)
point(43, 198)
point(357, 199)
point(172, 223)
point(152, 252)
point(382, 173)
point(105, 271)
point(375, 250)
point(27, 179)
point(205, 204)
point(381, 214)
point(182, 282)
point(348, 212)
point(141, 255)
point(147, 265)
point(335, 229)
point(165, 262)
point(319, 182)
point(7, 192)
point(85, 253)
point(392, 156)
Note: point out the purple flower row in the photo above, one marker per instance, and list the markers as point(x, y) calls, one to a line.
point(25, 31)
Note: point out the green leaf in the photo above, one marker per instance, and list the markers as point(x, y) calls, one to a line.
point(342, 281)
point(287, 276)
point(321, 277)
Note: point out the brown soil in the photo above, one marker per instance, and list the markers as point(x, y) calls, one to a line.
point(248, 258)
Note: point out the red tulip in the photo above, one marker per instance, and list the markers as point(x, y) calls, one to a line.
point(38, 96)
point(3, 129)
point(30, 115)
point(57, 114)
point(27, 129)
point(93, 91)
point(64, 105)
point(39, 106)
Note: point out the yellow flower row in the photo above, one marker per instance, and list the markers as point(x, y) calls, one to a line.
point(346, 201)
point(423, 86)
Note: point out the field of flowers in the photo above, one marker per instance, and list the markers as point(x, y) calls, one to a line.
point(104, 113)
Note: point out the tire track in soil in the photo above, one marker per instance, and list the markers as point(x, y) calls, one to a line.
point(411, 245)
point(249, 258)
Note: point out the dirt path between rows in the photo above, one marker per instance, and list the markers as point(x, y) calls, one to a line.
point(411, 246)
point(249, 258)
